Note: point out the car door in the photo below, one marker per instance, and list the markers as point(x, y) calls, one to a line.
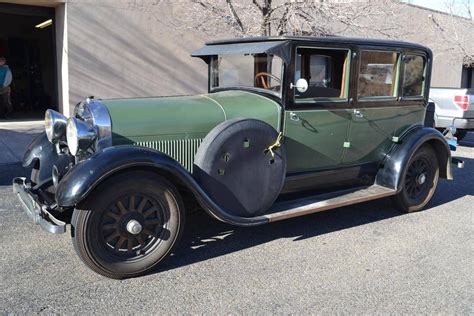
point(382, 111)
point(317, 120)
point(374, 116)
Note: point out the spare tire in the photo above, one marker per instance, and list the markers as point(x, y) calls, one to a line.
point(235, 168)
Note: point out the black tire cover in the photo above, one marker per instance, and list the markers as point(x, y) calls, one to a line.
point(234, 167)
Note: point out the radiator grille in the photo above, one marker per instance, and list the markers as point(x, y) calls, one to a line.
point(181, 150)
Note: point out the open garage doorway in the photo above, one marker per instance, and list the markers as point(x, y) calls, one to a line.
point(27, 41)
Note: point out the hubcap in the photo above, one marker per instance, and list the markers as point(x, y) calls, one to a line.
point(421, 178)
point(134, 227)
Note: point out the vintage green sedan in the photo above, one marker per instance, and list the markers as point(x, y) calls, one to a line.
point(289, 126)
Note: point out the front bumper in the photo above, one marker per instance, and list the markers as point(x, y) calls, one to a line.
point(39, 212)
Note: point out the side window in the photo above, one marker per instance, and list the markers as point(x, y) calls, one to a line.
point(413, 75)
point(377, 74)
point(325, 70)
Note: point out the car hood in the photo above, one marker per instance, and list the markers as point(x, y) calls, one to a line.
point(184, 117)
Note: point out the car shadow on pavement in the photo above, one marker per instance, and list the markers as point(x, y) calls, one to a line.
point(468, 141)
point(205, 238)
point(462, 185)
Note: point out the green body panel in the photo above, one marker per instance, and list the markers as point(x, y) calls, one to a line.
point(327, 139)
point(314, 139)
point(371, 135)
point(177, 125)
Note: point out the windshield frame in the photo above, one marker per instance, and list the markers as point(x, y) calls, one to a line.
point(269, 92)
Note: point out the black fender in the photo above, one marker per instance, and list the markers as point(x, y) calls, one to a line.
point(41, 154)
point(84, 177)
point(397, 159)
point(40, 149)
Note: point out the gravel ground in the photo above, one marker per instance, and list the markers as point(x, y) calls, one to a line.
point(365, 258)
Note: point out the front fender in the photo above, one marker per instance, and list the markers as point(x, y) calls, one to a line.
point(84, 177)
point(396, 161)
point(39, 149)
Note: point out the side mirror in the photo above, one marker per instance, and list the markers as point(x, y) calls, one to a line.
point(301, 85)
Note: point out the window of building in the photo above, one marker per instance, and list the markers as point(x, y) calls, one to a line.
point(326, 71)
point(377, 74)
point(413, 75)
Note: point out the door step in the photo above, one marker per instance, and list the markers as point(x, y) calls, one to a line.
point(325, 202)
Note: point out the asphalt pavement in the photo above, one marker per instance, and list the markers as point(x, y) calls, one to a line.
point(366, 258)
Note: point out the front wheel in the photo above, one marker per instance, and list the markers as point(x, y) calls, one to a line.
point(419, 180)
point(129, 225)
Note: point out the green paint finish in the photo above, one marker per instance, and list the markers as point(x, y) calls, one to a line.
point(245, 104)
point(151, 119)
point(184, 117)
point(314, 139)
point(371, 135)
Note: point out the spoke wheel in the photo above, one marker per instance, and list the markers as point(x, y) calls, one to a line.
point(416, 183)
point(132, 225)
point(419, 180)
point(128, 225)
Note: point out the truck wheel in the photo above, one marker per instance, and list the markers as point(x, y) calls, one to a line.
point(460, 134)
point(419, 180)
point(129, 225)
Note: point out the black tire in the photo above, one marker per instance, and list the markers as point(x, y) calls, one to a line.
point(460, 135)
point(100, 236)
point(419, 180)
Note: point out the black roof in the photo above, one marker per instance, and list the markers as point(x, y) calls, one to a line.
point(326, 40)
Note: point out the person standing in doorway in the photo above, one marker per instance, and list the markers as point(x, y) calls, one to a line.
point(5, 81)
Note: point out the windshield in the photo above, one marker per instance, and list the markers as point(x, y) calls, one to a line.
point(257, 71)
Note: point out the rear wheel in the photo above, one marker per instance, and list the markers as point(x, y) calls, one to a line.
point(419, 180)
point(129, 225)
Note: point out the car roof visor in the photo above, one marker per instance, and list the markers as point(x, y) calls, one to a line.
point(278, 48)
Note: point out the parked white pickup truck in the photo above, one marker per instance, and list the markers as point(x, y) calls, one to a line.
point(453, 107)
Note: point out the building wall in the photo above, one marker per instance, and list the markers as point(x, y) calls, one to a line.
point(120, 49)
point(137, 48)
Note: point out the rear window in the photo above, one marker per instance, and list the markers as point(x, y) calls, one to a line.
point(377, 74)
point(413, 75)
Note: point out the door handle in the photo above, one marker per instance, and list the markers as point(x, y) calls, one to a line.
point(358, 113)
point(294, 117)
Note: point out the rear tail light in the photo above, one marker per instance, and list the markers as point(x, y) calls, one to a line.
point(461, 101)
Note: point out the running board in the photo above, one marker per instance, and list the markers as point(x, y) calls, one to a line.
point(320, 203)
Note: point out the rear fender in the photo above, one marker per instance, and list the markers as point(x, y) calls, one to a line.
point(396, 161)
point(83, 178)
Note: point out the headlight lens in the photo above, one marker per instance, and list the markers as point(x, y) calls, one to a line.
point(55, 125)
point(79, 135)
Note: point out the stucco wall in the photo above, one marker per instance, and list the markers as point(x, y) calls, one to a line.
point(120, 49)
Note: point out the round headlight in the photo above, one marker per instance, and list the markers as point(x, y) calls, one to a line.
point(79, 135)
point(55, 125)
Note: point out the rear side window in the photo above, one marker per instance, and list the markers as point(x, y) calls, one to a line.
point(413, 75)
point(377, 74)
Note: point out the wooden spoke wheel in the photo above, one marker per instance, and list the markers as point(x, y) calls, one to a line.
point(128, 225)
point(133, 225)
point(419, 180)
